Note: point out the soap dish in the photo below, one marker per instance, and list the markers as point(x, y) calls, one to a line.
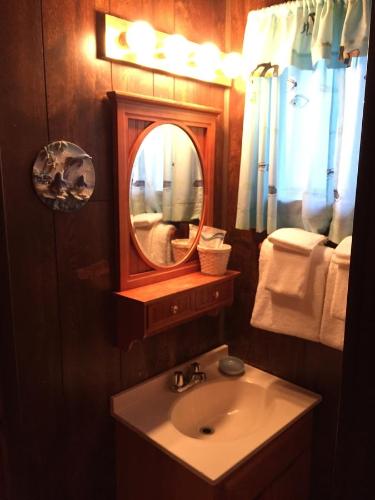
point(230, 365)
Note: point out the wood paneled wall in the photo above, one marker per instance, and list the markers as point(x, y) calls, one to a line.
point(58, 360)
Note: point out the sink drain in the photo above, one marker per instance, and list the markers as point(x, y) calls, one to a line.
point(206, 430)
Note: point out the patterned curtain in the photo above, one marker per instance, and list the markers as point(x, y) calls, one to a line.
point(167, 176)
point(302, 121)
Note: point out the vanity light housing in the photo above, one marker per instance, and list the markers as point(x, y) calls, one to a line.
point(139, 44)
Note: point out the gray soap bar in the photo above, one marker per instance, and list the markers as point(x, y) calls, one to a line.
point(230, 365)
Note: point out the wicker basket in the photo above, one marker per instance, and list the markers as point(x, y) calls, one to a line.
point(180, 248)
point(214, 260)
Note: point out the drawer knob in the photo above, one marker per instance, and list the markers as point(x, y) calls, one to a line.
point(216, 294)
point(174, 309)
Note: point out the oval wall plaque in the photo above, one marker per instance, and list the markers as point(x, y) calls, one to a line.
point(63, 176)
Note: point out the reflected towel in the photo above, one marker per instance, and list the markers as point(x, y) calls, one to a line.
point(161, 248)
point(300, 317)
point(145, 219)
point(289, 269)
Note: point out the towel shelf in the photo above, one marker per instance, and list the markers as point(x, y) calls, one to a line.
point(150, 309)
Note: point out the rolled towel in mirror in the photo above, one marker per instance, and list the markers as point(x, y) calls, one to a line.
point(289, 269)
point(146, 219)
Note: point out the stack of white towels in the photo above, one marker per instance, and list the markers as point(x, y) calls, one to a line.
point(154, 236)
point(303, 286)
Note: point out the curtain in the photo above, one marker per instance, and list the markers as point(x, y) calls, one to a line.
point(302, 118)
point(167, 176)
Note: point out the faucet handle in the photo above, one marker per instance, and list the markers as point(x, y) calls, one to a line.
point(195, 367)
point(178, 378)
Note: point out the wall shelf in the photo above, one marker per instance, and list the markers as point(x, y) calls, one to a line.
point(150, 309)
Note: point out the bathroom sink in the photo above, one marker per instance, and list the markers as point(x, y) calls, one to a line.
point(222, 411)
point(216, 425)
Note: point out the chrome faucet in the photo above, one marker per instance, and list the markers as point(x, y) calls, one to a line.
point(193, 376)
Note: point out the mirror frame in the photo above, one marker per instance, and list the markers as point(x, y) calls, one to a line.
point(133, 153)
point(133, 114)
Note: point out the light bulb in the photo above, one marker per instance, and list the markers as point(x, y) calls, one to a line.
point(176, 51)
point(141, 39)
point(232, 65)
point(207, 60)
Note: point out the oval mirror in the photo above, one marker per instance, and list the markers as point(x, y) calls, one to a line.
point(166, 195)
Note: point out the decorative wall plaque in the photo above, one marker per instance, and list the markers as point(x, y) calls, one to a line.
point(63, 176)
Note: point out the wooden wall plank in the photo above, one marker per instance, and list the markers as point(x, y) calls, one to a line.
point(91, 362)
point(201, 21)
point(356, 438)
point(78, 112)
point(77, 83)
point(31, 247)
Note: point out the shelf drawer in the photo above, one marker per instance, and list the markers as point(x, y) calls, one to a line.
point(214, 294)
point(167, 311)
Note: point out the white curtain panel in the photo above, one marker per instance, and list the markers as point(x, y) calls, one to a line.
point(302, 129)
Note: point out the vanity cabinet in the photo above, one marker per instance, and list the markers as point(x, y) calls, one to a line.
point(147, 310)
point(278, 471)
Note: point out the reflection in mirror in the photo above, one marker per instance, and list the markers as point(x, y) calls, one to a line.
point(166, 194)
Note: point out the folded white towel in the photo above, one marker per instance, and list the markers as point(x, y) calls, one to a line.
point(146, 219)
point(334, 312)
point(341, 257)
point(343, 252)
point(144, 238)
point(299, 240)
point(332, 328)
point(161, 248)
point(290, 264)
point(279, 313)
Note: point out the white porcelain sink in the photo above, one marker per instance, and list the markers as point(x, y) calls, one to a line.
point(222, 411)
point(216, 425)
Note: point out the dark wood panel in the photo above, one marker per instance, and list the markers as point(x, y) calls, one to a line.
point(356, 438)
point(293, 484)
point(201, 21)
point(78, 111)
point(9, 399)
point(91, 368)
point(172, 347)
point(31, 249)
point(77, 83)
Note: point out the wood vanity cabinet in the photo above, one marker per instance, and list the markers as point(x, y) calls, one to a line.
point(278, 471)
point(147, 310)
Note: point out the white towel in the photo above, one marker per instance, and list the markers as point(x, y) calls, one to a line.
point(343, 252)
point(334, 312)
point(279, 313)
point(299, 240)
point(144, 238)
point(146, 219)
point(341, 256)
point(161, 248)
point(290, 265)
point(332, 328)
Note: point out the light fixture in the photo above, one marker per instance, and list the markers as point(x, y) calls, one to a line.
point(137, 43)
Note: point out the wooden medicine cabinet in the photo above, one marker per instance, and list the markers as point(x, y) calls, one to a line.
point(164, 171)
